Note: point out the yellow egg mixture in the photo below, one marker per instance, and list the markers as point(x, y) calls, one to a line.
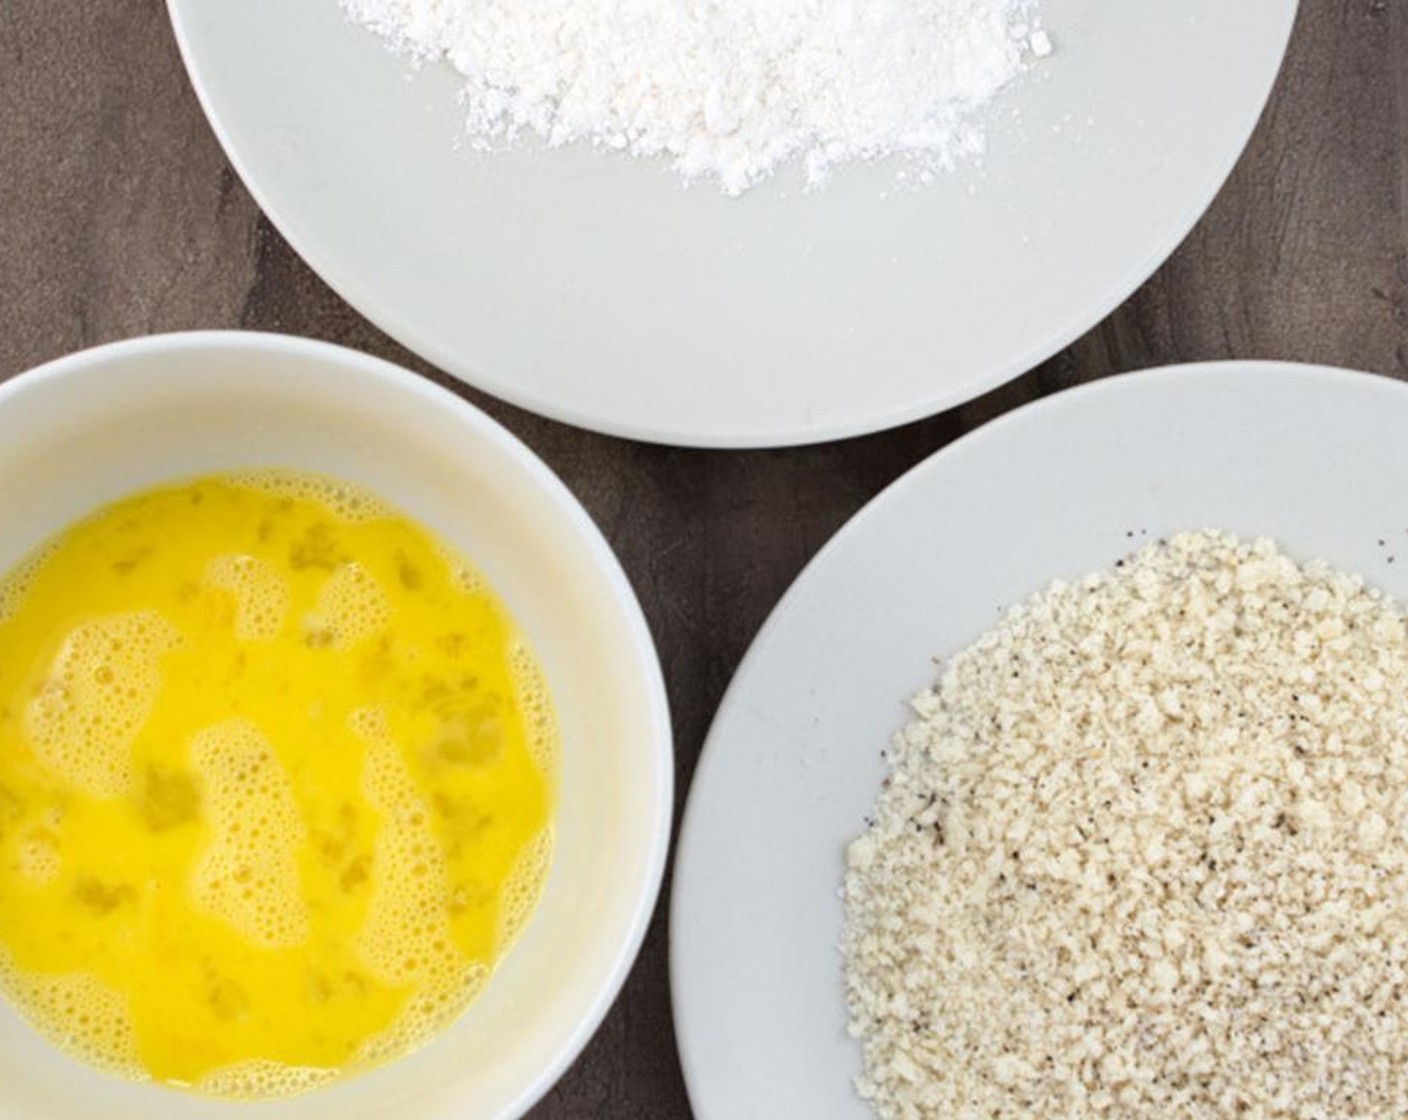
point(275, 785)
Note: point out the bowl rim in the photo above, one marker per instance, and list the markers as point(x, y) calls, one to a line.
point(566, 505)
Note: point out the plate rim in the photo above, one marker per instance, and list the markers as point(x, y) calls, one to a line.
point(466, 370)
point(712, 749)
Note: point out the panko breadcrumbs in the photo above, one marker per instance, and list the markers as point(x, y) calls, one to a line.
point(1144, 854)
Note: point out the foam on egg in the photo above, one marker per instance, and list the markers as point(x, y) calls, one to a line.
point(248, 874)
point(261, 594)
point(348, 501)
point(260, 1079)
point(16, 583)
point(79, 1012)
point(38, 859)
point(465, 577)
point(426, 1014)
point(96, 696)
point(523, 887)
point(531, 692)
point(406, 937)
point(351, 607)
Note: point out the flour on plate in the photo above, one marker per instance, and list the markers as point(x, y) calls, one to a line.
point(728, 89)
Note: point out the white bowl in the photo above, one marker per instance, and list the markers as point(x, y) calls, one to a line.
point(89, 428)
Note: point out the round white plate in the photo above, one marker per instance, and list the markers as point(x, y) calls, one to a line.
point(593, 289)
point(1315, 458)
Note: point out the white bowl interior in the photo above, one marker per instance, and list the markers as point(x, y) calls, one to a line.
point(96, 426)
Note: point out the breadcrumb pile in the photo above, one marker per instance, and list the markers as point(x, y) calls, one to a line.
point(1144, 854)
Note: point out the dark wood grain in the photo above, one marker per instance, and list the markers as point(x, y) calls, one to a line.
point(119, 216)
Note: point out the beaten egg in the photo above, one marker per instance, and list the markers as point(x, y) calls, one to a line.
point(276, 782)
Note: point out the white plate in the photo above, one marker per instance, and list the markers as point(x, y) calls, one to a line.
point(1315, 458)
point(592, 289)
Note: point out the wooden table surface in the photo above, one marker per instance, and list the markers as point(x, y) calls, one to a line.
point(119, 216)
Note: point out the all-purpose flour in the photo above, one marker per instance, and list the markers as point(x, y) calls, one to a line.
point(730, 89)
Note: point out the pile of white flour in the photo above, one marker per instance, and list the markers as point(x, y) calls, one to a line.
point(730, 89)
